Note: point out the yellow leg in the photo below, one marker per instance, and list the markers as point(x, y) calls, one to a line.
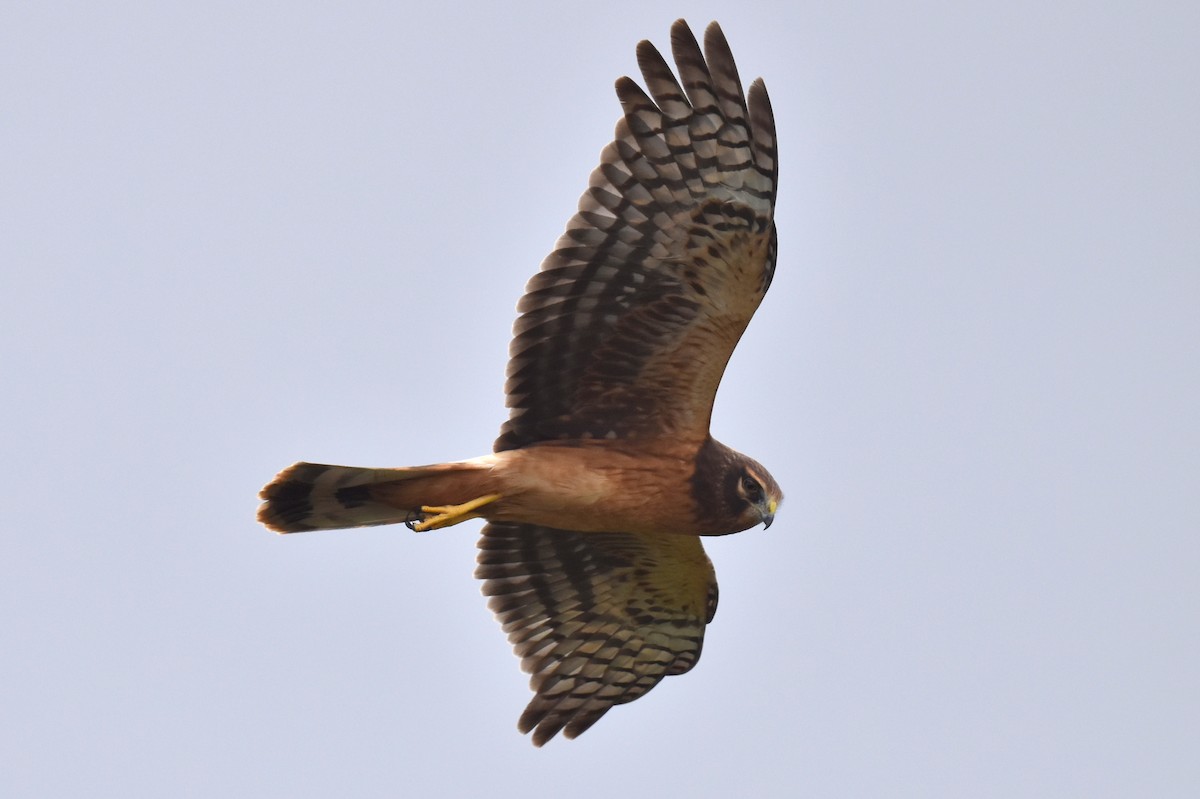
point(446, 515)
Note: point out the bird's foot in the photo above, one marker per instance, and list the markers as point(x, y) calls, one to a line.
point(439, 516)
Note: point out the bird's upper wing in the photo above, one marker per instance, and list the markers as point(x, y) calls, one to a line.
point(626, 330)
point(598, 619)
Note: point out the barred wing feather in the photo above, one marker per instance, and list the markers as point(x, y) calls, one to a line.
point(626, 330)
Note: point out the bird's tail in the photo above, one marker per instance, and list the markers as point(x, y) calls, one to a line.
point(315, 496)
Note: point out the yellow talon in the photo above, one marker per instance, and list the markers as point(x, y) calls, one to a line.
point(446, 515)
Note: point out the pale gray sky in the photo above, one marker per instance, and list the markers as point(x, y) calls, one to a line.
point(238, 234)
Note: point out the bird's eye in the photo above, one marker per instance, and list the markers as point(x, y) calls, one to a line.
point(752, 489)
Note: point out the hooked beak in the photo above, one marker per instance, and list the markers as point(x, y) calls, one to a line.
point(769, 516)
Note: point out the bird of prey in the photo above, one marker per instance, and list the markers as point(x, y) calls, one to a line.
point(605, 475)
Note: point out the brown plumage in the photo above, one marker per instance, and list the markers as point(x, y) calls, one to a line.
point(605, 475)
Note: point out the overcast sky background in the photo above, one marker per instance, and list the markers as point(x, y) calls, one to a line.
point(234, 235)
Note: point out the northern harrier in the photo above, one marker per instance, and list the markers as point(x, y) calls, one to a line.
point(605, 475)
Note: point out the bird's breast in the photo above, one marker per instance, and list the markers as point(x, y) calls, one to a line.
point(594, 488)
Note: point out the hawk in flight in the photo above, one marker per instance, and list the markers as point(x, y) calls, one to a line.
point(605, 476)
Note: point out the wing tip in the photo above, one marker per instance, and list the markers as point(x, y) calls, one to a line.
point(545, 720)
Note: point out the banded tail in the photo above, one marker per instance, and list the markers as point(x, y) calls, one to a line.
point(316, 496)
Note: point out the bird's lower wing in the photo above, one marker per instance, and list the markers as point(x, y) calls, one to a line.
point(598, 619)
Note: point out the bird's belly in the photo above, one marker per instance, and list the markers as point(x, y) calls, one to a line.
point(595, 490)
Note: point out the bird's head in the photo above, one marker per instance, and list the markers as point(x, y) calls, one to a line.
point(759, 496)
point(732, 492)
